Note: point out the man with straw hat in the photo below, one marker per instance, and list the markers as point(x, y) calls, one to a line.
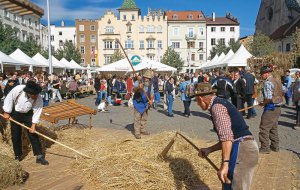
point(272, 93)
point(142, 99)
point(239, 149)
point(24, 104)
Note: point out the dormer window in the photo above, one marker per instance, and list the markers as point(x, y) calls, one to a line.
point(175, 17)
point(200, 16)
point(124, 17)
point(128, 27)
point(190, 17)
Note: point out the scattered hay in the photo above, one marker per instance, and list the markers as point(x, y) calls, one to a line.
point(10, 172)
point(134, 164)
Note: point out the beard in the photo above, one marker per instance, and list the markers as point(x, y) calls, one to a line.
point(146, 83)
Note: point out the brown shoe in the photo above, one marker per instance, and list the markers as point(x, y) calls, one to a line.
point(145, 133)
point(137, 136)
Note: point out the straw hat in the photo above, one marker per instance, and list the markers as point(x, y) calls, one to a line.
point(148, 74)
point(203, 89)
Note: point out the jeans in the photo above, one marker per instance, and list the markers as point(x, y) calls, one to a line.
point(170, 101)
point(46, 103)
point(56, 93)
point(297, 114)
point(156, 99)
point(250, 101)
point(187, 105)
point(252, 109)
point(109, 100)
point(100, 96)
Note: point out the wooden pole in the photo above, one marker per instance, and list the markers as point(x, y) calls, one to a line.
point(117, 40)
point(244, 109)
point(48, 138)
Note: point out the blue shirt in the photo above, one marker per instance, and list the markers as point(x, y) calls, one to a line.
point(268, 89)
point(182, 89)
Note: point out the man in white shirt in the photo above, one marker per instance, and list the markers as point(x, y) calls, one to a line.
point(24, 104)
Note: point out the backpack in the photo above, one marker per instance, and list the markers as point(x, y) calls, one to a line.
point(189, 90)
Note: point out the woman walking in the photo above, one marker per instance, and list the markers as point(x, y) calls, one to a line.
point(186, 100)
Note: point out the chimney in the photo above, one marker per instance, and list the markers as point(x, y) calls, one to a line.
point(214, 16)
point(62, 23)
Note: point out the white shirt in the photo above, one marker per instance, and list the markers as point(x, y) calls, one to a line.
point(24, 104)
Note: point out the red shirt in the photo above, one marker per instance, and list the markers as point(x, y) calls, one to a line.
point(129, 83)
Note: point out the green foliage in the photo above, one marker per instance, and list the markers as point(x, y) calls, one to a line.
point(262, 45)
point(118, 55)
point(296, 47)
point(172, 58)
point(30, 47)
point(222, 48)
point(9, 41)
point(68, 51)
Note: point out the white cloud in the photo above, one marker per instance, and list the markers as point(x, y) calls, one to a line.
point(59, 9)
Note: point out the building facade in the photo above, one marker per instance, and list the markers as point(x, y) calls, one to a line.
point(221, 30)
point(60, 34)
point(86, 32)
point(24, 17)
point(187, 36)
point(144, 36)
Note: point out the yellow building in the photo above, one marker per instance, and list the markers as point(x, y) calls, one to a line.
point(144, 36)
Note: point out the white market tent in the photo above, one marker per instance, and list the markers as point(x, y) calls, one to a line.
point(76, 65)
point(7, 60)
point(239, 59)
point(66, 63)
point(124, 66)
point(205, 64)
point(22, 57)
point(40, 59)
point(212, 65)
point(221, 62)
point(56, 63)
point(211, 62)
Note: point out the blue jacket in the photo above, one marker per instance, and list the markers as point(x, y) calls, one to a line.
point(182, 89)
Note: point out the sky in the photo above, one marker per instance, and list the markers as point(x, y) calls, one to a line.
point(69, 10)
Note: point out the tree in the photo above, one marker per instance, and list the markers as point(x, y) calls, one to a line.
point(68, 51)
point(261, 45)
point(222, 48)
point(172, 58)
point(9, 41)
point(234, 45)
point(296, 47)
point(30, 47)
point(116, 56)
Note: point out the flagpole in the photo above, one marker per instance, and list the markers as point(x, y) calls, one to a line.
point(49, 39)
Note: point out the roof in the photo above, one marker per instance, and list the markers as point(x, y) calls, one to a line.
point(285, 30)
point(185, 16)
point(221, 21)
point(21, 7)
point(129, 5)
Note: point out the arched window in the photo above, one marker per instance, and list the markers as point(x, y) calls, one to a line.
point(175, 17)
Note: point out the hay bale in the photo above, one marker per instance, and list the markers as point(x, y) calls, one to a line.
point(11, 172)
point(134, 164)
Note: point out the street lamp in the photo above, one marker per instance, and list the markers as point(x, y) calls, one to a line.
point(49, 39)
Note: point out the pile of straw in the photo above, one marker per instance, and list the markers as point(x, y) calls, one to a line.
point(134, 164)
point(10, 172)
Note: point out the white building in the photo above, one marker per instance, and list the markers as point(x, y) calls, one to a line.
point(187, 35)
point(221, 29)
point(60, 34)
point(23, 16)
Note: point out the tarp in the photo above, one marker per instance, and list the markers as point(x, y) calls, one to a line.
point(124, 66)
point(239, 59)
point(7, 60)
point(221, 62)
point(22, 57)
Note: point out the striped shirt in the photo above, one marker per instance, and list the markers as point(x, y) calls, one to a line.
point(221, 120)
point(268, 89)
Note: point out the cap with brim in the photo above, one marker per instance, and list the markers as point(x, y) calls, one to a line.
point(32, 88)
point(203, 89)
point(265, 69)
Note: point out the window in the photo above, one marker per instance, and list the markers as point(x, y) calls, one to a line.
point(190, 17)
point(232, 29)
point(159, 29)
point(107, 44)
point(129, 28)
point(93, 38)
point(23, 20)
point(213, 29)
point(150, 44)
point(6, 13)
point(92, 27)
point(141, 29)
point(15, 17)
point(201, 45)
point(213, 41)
point(93, 50)
point(107, 59)
point(30, 23)
point(191, 32)
point(231, 41)
point(93, 61)
point(129, 44)
point(60, 33)
point(150, 29)
point(193, 57)
point(201, 31)
point(288, 47)
point(71, 41)
point(176, 45)
point(222, 41)
point(61, 43)
point(109, 29)
point(175, 31)
point(82, 61)
point(132, 17)
point(222, 29)
point(175, 17)
point(159, 44)
point(116, 45)
point(82, 38)
point(191, 44)
point(201, 57)
point(82, 49)
point(36, 25)
point(81, 28)
point(142, 46)
point(52, 38)
point(124, 17)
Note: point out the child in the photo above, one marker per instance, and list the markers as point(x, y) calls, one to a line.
point(102, 107)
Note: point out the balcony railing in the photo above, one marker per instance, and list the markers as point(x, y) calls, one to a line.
point(190, 37)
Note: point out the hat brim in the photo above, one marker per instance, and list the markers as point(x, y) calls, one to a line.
point(203, 93)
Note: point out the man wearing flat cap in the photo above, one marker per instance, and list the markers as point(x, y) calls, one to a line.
point(272, 93)
point(24, 104)
point(239, 149)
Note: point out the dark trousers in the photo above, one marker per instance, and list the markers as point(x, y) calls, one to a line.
point(297, 114)
point(237, 102)
point(16, 133)
point(268, 128)
point(248, 99)
point(187, 105)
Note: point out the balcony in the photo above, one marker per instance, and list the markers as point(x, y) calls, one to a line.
point(190, 37)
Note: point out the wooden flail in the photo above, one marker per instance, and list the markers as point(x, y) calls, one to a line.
point(66, 110)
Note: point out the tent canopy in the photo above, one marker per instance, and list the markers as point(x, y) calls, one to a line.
point(22, 57)
point(76, 65)
point(66, 63)
point(56, 63)
point(5, 59)
point(239, 59)
point(221, 62)
point(40, 59)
